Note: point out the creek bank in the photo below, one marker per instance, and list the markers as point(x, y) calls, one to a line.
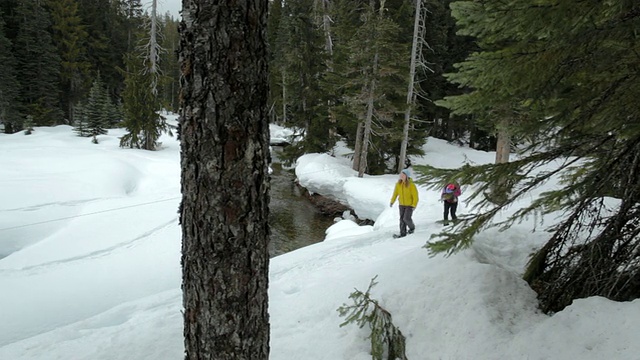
point(330, 207)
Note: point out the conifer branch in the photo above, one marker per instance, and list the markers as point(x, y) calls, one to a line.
point(387, 341)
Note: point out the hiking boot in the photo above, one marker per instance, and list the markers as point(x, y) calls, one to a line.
point(410, 231)
point(396, 236)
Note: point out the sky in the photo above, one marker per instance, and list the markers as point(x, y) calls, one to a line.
point(90, 265)
point(171, 6)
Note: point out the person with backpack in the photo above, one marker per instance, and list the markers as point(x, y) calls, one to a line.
point(407, 194)
point(449, 197)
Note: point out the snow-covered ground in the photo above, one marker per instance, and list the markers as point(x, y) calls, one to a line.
point(92, 266)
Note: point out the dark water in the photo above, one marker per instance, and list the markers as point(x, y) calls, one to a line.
point(294, 221)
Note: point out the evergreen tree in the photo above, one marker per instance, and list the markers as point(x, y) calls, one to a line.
point(170, 81)
point(107, 40)
point(141, 106)
point(276, 38)
point(28, 125)
point(97, 109)
point(302, 65)
point(371, 68)
point(564, 75)
point(70, 37)
point(8, 83)
point(81, 121)
point(38, 64)
point(446, 48)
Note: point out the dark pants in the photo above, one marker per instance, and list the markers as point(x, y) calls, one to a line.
point(450, 207)
point(405, 220)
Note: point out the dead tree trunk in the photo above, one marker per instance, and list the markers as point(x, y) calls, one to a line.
point(366, 133)
point(224, 135)
point(416, 48)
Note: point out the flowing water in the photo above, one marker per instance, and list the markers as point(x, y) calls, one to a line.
point(294, 221)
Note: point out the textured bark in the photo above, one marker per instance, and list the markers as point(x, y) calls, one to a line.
point(225, 153)
point(503, 145)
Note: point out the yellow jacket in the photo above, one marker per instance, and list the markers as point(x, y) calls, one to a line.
point(408, 195)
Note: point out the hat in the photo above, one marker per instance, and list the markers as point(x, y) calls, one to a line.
point(407, 172)
point(451, 187)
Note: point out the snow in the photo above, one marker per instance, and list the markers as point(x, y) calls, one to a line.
point(92, 265)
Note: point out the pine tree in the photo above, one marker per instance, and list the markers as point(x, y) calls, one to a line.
point(302, 65)
point(142, 102)
point(170, 81)
point(141, 106)
point(38, 64)
point(70, 37)
point(28, 125)
point(97, 109)
point(371, 68)
point(8, 83)
point(387, 341)
point(445, 48)
point(106, 26)
point(563, 74)
point(276, 64)
point(81, 121)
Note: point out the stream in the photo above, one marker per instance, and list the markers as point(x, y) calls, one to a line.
point(294, 221)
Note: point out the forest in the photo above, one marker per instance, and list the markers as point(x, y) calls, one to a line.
point(553, 81)
point(84, 63)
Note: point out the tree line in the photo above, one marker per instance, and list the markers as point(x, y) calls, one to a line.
point(340, 71)
point(60, 58)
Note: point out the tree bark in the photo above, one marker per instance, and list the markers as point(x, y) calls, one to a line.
point(503, 144)
point(358, 146)
point(224, 137)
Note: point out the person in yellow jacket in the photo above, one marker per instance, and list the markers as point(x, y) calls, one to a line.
point(407, 195)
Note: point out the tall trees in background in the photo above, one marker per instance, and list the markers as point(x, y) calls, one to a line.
point(142, 95)
point(355, 60)
point(224, 133)
point(8, 82)
point(70, 37)
point(53, 50)
point(38, 64)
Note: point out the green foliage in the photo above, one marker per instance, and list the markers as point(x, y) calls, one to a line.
point(141, 106)
point(38, 64)
point(81, 121)
point(170, 82)
point(28, 125)
point(547, 67)
point(98, 109)
point(70, 38)
point(301, 63)
point(9, 114)
point(387, 341)
point(51, 50)
point(371, 62)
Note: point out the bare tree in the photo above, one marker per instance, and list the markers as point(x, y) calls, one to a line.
point(225, 154)
point(419, 29)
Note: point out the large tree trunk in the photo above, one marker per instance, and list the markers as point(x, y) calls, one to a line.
point(224, 134)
